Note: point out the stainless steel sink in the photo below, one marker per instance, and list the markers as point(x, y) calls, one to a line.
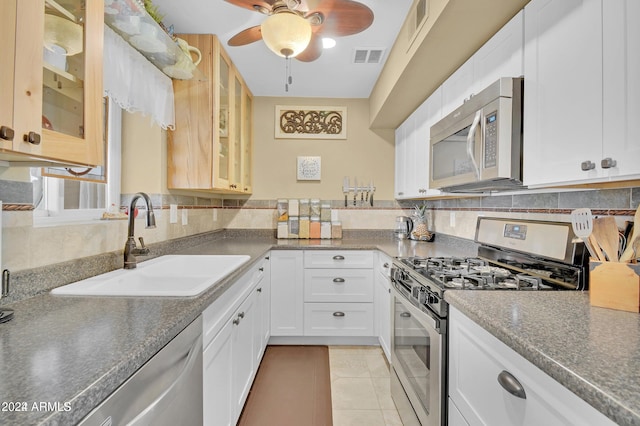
point(172, 275)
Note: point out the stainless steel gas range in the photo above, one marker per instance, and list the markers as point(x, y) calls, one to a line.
point(513, 255)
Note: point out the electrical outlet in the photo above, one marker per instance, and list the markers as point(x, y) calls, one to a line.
point(452, 219)
point(173, 213)
point(185, 219)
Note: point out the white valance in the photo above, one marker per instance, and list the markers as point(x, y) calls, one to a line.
point(134, 83)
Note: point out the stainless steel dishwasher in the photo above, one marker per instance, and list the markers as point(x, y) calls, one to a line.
point(167, 390)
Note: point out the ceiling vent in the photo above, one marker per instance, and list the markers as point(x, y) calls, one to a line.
point(417, 16)
point(368, 56)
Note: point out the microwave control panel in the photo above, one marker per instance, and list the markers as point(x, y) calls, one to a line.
point(491, 140)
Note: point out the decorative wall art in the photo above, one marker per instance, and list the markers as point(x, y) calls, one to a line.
point(309, 168)
point(310, 122)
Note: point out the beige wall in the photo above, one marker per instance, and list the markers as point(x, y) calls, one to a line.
point(364, 154)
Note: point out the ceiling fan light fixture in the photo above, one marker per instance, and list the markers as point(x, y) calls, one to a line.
point(286, 33)
point(328, 42)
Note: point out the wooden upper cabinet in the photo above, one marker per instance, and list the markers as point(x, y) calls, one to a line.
point(210, 148)
point(55, 47)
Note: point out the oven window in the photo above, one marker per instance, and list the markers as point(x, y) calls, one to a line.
point(450, 156)
point(412, 348)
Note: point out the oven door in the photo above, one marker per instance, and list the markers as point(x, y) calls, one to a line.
point(418, 358)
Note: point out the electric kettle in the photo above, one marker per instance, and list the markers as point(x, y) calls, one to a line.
point(404, 226)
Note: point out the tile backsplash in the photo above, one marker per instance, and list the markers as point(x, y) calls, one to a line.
point(27, 246)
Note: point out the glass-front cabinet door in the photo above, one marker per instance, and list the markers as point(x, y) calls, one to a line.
point(222, 162)
point(58, 111)
point(7, 52)
point(247, 141)
point(236, 181)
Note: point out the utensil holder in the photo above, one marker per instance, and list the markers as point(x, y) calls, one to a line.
point(615, 285)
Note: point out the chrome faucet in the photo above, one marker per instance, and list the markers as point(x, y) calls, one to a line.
point(130, 248)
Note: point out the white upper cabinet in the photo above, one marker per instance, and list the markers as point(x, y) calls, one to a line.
point(563, 90)
point(621, 68)
point(501, 56)
point(581, 97)
point(413, 150)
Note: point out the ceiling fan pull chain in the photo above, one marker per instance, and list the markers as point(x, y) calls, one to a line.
point(287, 71)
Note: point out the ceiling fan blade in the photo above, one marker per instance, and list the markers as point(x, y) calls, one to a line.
point(313, 51)
point(247, 36)
point(343, 17)
point(254, 5)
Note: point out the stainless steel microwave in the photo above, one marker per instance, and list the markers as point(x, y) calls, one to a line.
point(478, 147)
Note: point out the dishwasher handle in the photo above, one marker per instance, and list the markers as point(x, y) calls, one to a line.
point(146, 416)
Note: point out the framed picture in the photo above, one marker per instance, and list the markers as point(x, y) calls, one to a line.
point(224, 121)
point(309, 168)
point(310, 122)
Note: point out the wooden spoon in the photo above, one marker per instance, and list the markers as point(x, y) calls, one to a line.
point(605, 232)
point(635, 234)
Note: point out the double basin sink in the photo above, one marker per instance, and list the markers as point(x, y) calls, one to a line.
point(170, 276)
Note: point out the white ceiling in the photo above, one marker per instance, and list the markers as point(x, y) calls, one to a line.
point(333, 75)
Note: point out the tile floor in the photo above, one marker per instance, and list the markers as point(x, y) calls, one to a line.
point(360, 392)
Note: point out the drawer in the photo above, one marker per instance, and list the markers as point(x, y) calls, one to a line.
point(338, 319)
point(338, 285)
point(338, 259)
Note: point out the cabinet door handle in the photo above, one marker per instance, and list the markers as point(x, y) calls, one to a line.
point(338, 314)
point(587, 165)
point(511, 384)
point(241, 315)
point(236, 321)
point(6, 133)
point(338, 257)
point(608, 163)
point(386, 265)
point(338, 280)
point(32, 138)
point(405, 314)
point(259, 290)
point(260, 269)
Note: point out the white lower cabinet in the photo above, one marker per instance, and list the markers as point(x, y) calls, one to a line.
point(454, 417)
point(287, 296)
point(478, 360)
point(234, 341)
point(382, 303)
point(338, 293)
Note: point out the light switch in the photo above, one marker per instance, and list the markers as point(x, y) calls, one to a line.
point(173, 213)
point(185, 219)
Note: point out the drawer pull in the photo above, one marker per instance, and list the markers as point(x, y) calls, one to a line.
point(241, 315)
point(236, 321)
point(338, 314)
point(259, 290)
point(260, 269)
point(338, 257)
point(405, 314)
point(338, 280)
point(511, 384)
point(386, 265)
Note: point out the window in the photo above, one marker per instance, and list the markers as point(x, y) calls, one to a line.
point(81, 194)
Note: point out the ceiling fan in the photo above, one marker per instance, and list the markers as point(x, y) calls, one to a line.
point(307, 22)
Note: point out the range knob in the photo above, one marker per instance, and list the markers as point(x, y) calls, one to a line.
point(433, 299)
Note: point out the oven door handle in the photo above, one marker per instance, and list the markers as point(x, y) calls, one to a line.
point(427, 319)
point(471, 141)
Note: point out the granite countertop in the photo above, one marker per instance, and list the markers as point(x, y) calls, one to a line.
point(62, 355)
point(594, 352)
point(69, 353)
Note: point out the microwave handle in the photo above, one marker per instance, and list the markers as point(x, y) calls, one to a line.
point(470, 141)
